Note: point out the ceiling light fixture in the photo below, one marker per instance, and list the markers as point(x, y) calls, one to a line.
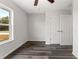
point(36, 2)
point(51, 1)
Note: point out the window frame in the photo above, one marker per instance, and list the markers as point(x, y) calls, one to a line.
point(11, 24)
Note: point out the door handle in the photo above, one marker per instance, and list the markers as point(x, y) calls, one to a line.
point(60, 31)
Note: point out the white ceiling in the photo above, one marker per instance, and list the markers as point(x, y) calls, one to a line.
point(44, 5)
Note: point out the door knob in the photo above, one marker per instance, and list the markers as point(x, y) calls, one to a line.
point(60, 31)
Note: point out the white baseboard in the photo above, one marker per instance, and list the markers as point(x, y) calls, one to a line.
point(75, 55)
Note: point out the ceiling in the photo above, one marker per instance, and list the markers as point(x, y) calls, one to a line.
point(44, 5)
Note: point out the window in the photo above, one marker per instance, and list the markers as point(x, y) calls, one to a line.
point(6, 24)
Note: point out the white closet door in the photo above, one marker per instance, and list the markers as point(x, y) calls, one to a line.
point(67, 29)
point(54, 28)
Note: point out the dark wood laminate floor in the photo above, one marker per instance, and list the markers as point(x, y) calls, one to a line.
point(43, 52)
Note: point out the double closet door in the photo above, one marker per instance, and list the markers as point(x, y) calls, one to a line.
point(60, 29)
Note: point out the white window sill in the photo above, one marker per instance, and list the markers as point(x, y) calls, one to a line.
point(6, 41)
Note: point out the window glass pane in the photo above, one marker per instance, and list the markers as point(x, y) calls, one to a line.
point(4, 24)
point(4, 37)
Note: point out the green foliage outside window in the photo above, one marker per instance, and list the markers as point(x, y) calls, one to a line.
point(4, 20)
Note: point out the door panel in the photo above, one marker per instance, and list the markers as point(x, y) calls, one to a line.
point(67, 30)
point(54, 28)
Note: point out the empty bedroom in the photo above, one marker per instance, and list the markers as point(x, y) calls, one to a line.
point(38, 29)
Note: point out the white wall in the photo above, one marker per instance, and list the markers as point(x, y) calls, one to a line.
point(36, 27)
point(75, 28)
point(20, 29)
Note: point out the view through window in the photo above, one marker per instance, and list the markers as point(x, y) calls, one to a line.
point(4, 24)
